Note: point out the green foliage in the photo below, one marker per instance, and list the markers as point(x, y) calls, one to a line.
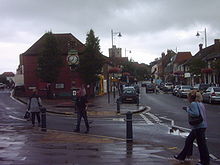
point(196, 65)
point(138, 71)
point(216, 65)
point(91, 60)
point(50, 60)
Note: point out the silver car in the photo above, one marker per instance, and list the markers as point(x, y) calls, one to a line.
point(212, 94)
point(183, 90)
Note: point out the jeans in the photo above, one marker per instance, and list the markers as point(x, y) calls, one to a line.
point(199, 135)
point(33, 114)
point(80, 114)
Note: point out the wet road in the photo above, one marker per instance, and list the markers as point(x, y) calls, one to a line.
point(148, 128)
point(169, 106)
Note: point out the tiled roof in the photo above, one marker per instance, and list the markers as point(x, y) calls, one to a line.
point(8, 74)
point(182, 57)
point(65, 41)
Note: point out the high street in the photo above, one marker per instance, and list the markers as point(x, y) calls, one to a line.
point(150, 128)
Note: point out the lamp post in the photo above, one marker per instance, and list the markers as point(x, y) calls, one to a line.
point(113, 54)
point(112, 36)
point(129, 51)
point(198, 34)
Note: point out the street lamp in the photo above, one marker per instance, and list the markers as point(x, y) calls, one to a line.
point(112, 36)
point(129, 51)
point(198, 34)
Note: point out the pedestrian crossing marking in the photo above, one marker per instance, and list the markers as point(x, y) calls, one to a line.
point(146, 119)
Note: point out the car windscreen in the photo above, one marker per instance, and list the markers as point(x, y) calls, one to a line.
point(216, 89)
point(186, 87)
point(129, 91)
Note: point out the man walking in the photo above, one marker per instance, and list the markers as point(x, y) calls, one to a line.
point(80, 108)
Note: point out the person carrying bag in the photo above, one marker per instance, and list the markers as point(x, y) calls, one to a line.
point(34, 105)
point(198, 121)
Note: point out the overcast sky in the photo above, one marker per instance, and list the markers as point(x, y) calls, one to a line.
point(148, 27)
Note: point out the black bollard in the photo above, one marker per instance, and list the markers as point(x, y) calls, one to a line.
point(43, 119)
point(138, 101)
point(129, 130)
point(118, 105)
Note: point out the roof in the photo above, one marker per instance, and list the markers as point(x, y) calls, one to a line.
point(212, 56)
point(65, 41)
point(181, 57)
point(8, 74)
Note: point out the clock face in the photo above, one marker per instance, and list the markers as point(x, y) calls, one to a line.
point(73, 59)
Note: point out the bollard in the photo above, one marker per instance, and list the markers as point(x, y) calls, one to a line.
point(118, 105)
point(43, 119)
point(138, 101)
point(129, 130)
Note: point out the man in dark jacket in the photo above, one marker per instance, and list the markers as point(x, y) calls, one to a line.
point(80, 107)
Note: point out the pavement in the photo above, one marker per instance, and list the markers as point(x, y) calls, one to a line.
point(23, 145)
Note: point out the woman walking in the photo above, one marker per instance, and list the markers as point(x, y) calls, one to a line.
point(196, 108)
point(34, 105)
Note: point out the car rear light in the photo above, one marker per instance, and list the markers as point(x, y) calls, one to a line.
point(213, 94)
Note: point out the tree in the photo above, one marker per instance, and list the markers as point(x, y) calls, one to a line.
point(216, 66)
point(91, 60)
point(196, 65)
point(50, 60)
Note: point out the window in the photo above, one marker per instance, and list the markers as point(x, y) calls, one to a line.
point(59, 86)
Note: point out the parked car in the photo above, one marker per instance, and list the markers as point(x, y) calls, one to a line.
point(183, 90)
point(167, 87)
point(129, 95)
point(144, 83)
point(212, 94)
point(175, 89)
point(201, 87)
point(150, 87)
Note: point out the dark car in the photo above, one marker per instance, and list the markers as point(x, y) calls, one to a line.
point(129, 95)
point(150, 87)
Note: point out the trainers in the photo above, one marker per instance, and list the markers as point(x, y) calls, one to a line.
point(176, 157)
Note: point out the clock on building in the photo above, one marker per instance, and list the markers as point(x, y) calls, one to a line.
point(73, 59)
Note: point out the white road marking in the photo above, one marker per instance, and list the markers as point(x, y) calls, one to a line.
point(146, 119)
point(16, 118)
point(153, 117)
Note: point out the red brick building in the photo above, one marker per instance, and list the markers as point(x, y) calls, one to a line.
point(67, 79)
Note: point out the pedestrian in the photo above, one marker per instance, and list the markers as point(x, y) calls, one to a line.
point(80, 109)
point(195, 108)
point(156, 90)
point(34, 105)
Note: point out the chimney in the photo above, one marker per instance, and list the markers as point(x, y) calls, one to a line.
point(200, 46)
point(217, 41)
